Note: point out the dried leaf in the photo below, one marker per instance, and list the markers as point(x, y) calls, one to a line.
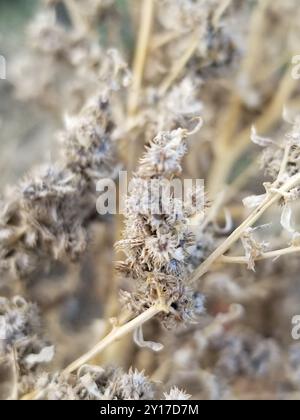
point(45, 356)
point(260, 141)
point(139, 340)
point(253, 201)
point(286, 218)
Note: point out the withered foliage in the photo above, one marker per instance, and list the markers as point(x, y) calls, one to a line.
point(200, 300)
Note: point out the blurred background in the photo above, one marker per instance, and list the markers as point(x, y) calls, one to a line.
point(27, 130)
point(236, 75)
point(23, 126)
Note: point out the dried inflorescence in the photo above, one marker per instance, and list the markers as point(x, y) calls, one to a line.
point(157, 236)
point(22, 342)
point(57, 50)
point(96, 383)
point(274, 151)
point(293, 367)
point(19, 321)
point(280, 161)
point(253, 249)
point(212, 58)
point(205, 23)
point(235, 363)
point(87, 145)
point(204, 245)
point(177, 108)
point(45, 218)
point(233, 359)
point(134, 386)
point(247, 354)
point(176, 394)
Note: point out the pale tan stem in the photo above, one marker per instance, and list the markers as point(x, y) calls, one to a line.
point(224, 162)
point(147, 12)
point(255, 46)
point(115, 334)
point(15, 370)
point(248, 172)
point(79, 22)
point(271, 198)
point(221, 9)
point(265, 255)
point(235, 313)
point(272, 114)
point(284, 163)
point(179, 66)
point(229, 146)
point(212, 214)
point(228, 124)
point(223, 144)
point(226, 195)
point(160, 40)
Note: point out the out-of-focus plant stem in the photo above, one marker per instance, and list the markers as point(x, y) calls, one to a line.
point(147, 12)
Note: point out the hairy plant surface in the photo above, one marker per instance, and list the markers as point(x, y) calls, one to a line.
point(170, 297)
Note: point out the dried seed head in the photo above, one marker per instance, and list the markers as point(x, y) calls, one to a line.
point(273, 152)
point(248, 354)
point(21, 335)
point(45, 219)
point(87, 146)
point(164, 155)
point(46, 36)
point(176, 394)
point(134, 385)
point(157, 242)
point(96, 383)
point(19, 321)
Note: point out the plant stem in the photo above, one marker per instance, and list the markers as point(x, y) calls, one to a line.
point(115, 334)
point(265, 255)
point(147, 12)
point(270, 199)
point(160, 40)
point(79, 22)
point(179, 65)
point(221, 9)
point(284, 163)
point(228, 155)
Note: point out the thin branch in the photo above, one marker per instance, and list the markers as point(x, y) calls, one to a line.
point(227, 156)
point(160, 40)
point(79, 22)
point(226, 195)
point(179, 66)
point(228, 124)
point(284, 163)
point(15, 371)
point(221, 9)
point(117, 333)
point(229, 144)
point(265, 255)
point(147, 13)
point(235, 313)
point(270, 199)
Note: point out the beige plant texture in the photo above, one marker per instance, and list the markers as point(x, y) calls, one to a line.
point(171, 297)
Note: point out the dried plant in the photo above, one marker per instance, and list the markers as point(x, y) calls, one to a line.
point(45, 218)
point(22, 344)
point(156, 241)
point(177, 301)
